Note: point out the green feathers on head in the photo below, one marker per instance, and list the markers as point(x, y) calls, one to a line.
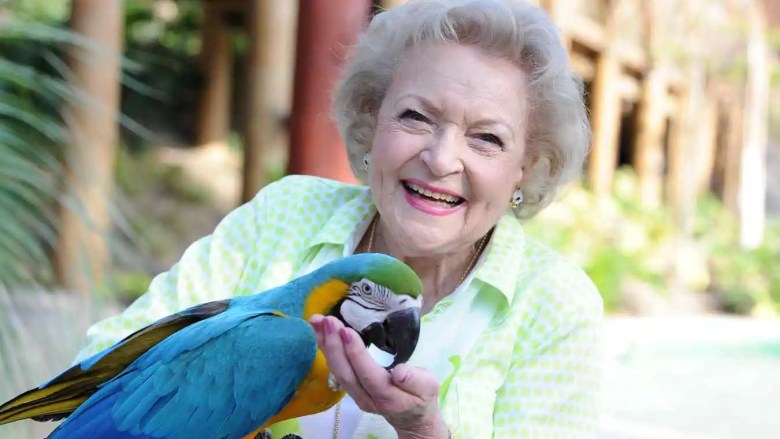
point(379, 268)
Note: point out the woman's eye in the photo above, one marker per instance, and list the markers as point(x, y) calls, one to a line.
point(413, 115)
point(491, 138)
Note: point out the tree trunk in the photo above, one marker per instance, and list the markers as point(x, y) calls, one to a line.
point(268, 88)
point(217, 64)
point(82, 255)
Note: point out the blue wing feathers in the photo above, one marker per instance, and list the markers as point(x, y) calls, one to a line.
point(195, 313)
point(220, 377)
point(100, 425)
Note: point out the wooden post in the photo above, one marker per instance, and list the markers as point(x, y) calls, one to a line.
point(732, 166)
point(217, 64)
point(606, 109)
point(557, 11)
point(683, 154)
point(268, 87)
point(324, 35)
point(677, 177)
point(651, 125)
point(387, 4)
point(752, 188)
point(606, 123)
point(82, 255)
point(708, 126)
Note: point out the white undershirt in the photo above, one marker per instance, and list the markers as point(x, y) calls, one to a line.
point(321, 425)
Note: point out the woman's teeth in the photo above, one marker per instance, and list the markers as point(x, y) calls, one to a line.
point(435, 196)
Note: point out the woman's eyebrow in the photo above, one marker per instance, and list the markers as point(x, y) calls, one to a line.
point(427, 104)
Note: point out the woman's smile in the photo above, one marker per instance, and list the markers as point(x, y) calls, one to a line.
point(430, 199)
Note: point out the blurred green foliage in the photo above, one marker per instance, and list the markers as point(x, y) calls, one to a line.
point(163, 44)
point(32, 134)
point(48, 11)
point(158, 87)
point(164, 211)
point(622, 245)
point(741, 279)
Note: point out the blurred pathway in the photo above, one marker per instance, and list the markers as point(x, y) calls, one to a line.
point(692, 377)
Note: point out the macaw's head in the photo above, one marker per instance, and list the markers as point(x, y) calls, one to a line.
point(381, 301)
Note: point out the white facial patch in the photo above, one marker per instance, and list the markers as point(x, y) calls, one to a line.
point(369, 303)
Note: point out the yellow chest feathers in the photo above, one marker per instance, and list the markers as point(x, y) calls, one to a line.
point(313, 394)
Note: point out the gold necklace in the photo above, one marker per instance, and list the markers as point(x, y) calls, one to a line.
point(472, 262)
point(336, 421)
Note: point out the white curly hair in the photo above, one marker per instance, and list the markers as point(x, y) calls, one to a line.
point(558, 135)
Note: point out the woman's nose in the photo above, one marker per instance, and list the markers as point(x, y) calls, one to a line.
point(443, 155)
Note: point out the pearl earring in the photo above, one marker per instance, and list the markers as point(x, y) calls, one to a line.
point(366, 161)
point(517, 198)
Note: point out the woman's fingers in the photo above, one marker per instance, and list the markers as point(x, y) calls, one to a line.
point(316, 323)
point(407, 390)
point(333, 348)
point(374, 379)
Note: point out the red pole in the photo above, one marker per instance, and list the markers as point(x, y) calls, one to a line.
point(325, 34)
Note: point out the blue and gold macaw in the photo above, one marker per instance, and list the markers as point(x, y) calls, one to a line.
point(230, 368)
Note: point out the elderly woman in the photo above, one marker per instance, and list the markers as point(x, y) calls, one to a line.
point(462, 118)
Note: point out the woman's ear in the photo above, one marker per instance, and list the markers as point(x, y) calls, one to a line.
point(372, 111)
point(530, 157)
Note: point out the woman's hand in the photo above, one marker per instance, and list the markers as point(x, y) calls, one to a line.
point(408, 397)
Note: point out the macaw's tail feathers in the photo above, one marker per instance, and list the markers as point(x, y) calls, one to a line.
point(42, 405)
point(62, 395)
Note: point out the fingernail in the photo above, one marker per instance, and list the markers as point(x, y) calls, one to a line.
point(346, 337)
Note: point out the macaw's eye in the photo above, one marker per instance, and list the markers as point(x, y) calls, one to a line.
point(367, 289)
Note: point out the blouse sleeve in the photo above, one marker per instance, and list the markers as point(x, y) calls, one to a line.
point(553, 383)
point(209, 269)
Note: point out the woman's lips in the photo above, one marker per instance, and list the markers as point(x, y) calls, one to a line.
point(431, 207)
point(425, 186)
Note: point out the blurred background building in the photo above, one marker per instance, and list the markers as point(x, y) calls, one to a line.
point(128, 129)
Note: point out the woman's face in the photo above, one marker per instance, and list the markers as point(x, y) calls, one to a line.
point(448, 148)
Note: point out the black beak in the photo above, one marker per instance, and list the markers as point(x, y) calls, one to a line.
point(397, 335)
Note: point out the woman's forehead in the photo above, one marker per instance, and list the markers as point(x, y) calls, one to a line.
point(449, 75)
